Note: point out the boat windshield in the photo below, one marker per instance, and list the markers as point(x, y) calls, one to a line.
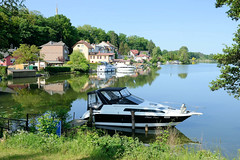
point(94, 101)
point(121, 97)
point(125, 92)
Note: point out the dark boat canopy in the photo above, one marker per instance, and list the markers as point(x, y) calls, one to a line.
point(107, 89)
point(109, 96)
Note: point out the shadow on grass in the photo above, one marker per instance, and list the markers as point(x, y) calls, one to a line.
point(21, 156)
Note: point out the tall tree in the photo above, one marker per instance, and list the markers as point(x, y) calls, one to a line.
point(150, 46)
point(62, 29)
point(113, 38)
point(126, 49)
point(229, 61)
point(183, 55)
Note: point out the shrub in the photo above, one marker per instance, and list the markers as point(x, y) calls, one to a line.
point(3, 70)
point(57, 69)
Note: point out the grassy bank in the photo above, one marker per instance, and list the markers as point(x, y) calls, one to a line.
point(85, 143)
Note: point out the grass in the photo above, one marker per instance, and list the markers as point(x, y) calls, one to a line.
point(84, 143)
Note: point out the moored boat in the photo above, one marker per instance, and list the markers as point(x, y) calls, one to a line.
point(105, 67)
point(113, 107)
point(121, 67)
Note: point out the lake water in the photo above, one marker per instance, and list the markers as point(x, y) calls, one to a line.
point(218, 127)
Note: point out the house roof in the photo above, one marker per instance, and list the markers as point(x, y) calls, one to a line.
point(7, 53)
point(105, 54)
point(143, 55)
point(52, 43)
point(144, 52)
point(106, 44)
point(135, 52)
point(85, 43)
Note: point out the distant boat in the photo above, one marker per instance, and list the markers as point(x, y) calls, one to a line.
point(121, 67)
point(105, 67)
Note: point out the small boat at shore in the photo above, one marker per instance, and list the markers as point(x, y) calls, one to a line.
point(105, 67)
point(114, 107)
point(121, 67)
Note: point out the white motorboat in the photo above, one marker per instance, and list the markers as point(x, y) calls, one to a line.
point(121, 67)
point(114, 106)
point(105, 67)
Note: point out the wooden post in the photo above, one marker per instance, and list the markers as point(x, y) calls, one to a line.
point(1, 132)
point(8, 124)
point(133, 119)
point(73, 115)
point(146, 130)
point(27, 123)
point(90, 121)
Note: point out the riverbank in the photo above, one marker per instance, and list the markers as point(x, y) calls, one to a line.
point(86, 143)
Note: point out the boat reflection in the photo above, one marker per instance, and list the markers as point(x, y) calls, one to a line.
point(175, 136)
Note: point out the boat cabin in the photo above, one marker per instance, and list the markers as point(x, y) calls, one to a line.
point(111, 96)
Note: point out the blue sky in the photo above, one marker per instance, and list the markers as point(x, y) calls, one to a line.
point(171, 24)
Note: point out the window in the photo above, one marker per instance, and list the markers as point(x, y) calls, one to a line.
point(93, 57)
point(100, 57)
point(82, 45)
point(94, 101)
point(78, 45)
point(81, 50)
point(105, 57)
point(97, 57)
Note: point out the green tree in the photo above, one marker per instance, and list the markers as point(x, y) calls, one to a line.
point(62, 29)
point(183, 55)
point(78, 61)
point(121, 48)
point(229, 61)
point(156, 52)
point(126, 49)
point(26, 54)
point(122, 38)
point(150, 46)
point(113, 38)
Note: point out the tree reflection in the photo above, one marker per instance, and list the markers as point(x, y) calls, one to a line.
point(182, 75)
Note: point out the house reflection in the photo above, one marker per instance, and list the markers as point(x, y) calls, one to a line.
point(52, 88)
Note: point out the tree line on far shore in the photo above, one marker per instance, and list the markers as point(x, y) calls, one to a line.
point(21, 26)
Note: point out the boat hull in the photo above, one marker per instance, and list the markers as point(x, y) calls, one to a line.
point(140, 121)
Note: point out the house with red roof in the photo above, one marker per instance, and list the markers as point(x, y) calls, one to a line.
point(103, 51)
point(141, 57)
point(133, 53)
point(7, 59)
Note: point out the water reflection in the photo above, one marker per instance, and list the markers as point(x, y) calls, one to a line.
point(182, 75)
point(175, 135)
point(38, 95)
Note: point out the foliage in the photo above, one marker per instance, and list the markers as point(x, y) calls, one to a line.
point(47, 124)
point(52, 70)
point(26, 53)
point(150, 46)
point(234, 6)
point(3, 70)
point(95, 144)
point(183, 55)
point(229, 61)
point(79, 62)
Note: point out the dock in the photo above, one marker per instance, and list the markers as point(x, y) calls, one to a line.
point(77, 122)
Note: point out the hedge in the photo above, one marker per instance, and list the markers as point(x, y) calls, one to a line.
point(3, 70)
point(57, 69)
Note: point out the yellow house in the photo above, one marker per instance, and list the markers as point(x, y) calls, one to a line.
point(84, 47)
point(94, 53)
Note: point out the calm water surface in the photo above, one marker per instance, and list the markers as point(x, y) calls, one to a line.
point(218, 127)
